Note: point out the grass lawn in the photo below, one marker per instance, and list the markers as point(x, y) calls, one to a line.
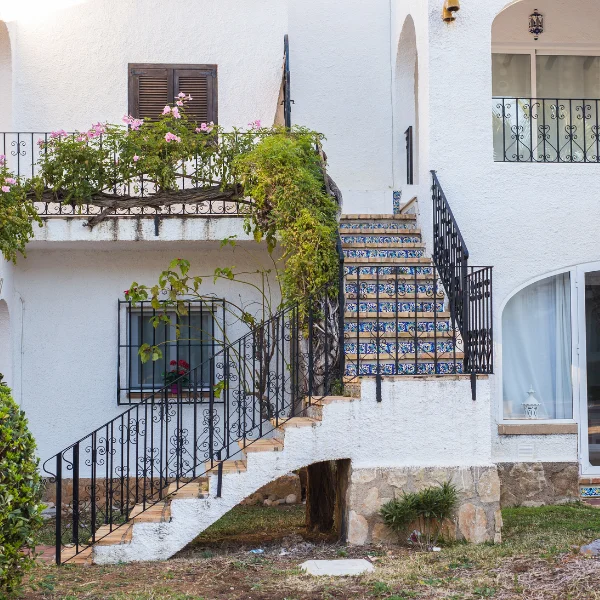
point(537, 561)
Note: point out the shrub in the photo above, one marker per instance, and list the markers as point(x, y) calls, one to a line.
point(20, 493)
point(425, 510)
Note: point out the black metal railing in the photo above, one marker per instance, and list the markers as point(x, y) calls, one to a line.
point(191, 337)
point(23, 151)
point(125, 466)
point(468, 289)
point(287, 98)
point(408, 135)
point(546, 130)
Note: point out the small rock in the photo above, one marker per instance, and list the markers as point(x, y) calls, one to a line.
point(280, 501)
point(291, 499)
point(49, 504)
point(272, 498)
point(592, 549)
point(267, 502)
point(337, 568)
point(49, 513)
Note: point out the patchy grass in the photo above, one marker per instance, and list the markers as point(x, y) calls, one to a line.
point(537, 561)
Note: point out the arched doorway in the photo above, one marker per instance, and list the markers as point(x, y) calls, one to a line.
point(406, 106)
point(5, 80)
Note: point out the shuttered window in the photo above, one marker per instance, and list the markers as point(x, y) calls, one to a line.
point(151, 87)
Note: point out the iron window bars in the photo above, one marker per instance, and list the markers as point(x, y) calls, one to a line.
point(202, 334)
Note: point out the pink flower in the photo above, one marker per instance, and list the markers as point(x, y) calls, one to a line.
point(40, 142)
point(59, 133)
point(175, 113)
point(81, 137)
point(5, 188)
point(181, 95)
point(171, 137)
point(204, 128)
point(11, 180)
point(179, 103)
point(166, 110)
point(255, 124)
point(136, 158)
point(3, 159)
point(135, 123)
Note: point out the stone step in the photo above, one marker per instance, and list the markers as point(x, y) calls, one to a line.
point(195, 489)
point(294, 422)
point(362, 241)
point(376, 228)
point(378, 217)
point(390, 325)
point(229, 466)
point(404, 347)
point(156, 513)
point(401, 271)
point(84, 557)
point(118, 536)
point(261, 445)
point(326, 400)
point(366, 369)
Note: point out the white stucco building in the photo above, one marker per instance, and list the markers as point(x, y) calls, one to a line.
point(508, 120)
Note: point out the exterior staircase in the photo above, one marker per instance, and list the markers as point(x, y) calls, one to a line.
point(397, 319)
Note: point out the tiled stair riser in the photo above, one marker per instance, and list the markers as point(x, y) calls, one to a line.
point(391, 289)
point(394, 307)
point(381, 239)
point(402, 326)
point(374, 226)
point(400, 347)
point(400, 270)
point(407, 368)
point(367, 253)
point(590, 491)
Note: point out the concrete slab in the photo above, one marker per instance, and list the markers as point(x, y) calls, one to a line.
point(337, 568)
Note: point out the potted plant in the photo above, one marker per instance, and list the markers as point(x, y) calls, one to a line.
point(176, 377)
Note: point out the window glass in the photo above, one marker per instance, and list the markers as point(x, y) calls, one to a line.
point(576, 77)
point(536, 350)
point(511, 75)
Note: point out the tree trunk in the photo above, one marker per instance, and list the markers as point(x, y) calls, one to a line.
point(320, 496)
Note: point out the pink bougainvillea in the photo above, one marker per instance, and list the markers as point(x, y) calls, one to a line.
point(171, 137)
point(205, 127)
point(5, 188)
point(2, 160)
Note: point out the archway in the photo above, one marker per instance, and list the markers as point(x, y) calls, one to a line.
point(5, 79)
point(406, 105)
point(5, 343)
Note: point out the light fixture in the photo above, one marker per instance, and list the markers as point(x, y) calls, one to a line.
point(453, 5)
point(531, 405)
point(447, 15)
point(536, 24)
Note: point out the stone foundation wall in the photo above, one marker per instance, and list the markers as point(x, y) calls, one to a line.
point(536, 484)
point(478, 518)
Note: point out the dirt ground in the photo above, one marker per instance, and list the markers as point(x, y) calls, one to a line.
point(539, 560)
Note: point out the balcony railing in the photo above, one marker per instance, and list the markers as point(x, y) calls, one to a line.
point(24, 149)
point(546, 130)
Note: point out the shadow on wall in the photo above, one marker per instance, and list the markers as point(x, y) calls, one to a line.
point(5, 81)
point(5, 343)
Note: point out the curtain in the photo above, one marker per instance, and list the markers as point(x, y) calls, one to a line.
point(536, 349)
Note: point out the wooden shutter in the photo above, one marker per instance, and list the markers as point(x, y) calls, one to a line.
point(201, 85)
point(150, 89)
point(153, 86)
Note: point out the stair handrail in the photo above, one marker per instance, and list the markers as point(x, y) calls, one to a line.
point(264, 378)
point(469, 288)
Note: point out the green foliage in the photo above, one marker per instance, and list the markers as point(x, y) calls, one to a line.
point(427, 510)
point(20, 492)
point(284, 177)
point(17, 214)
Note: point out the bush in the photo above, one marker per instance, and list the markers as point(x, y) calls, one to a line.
point(425, 510)
point(20, 493)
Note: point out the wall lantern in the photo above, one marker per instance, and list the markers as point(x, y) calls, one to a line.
point(450, 8)
point(531, 405)
point(536, 24)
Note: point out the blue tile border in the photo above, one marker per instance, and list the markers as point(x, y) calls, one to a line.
point(590, 491)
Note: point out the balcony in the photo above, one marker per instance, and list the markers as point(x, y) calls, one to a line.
point(24, 149)
point(546, 130)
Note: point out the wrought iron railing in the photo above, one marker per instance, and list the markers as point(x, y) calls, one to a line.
point(23, 151)
point(127, 465)
point(287, 98)
point(546, 130)
point(408, 135)
point(468, 289)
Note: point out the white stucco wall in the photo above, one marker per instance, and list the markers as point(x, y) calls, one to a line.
point(415, 425)
point(5, 80)
point(68, 359)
